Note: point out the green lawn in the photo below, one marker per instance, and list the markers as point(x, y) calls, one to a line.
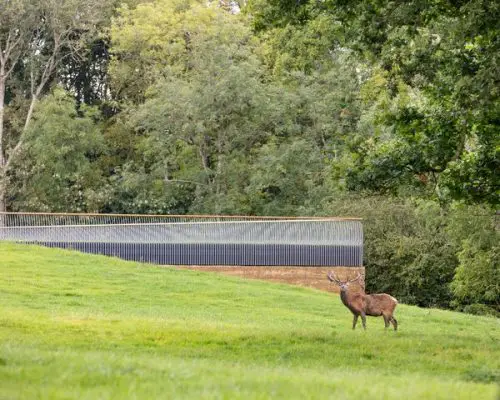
point(75, 326)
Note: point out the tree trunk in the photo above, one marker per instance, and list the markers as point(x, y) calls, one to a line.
point(3, 172)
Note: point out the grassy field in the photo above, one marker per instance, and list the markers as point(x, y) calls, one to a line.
point(75, 326)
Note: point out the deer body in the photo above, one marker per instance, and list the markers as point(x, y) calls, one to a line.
point(362, 304)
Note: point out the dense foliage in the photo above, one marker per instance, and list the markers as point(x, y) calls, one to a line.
point(384, 110)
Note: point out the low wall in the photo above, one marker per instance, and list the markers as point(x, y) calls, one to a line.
point(314, 277)
point(230, 254)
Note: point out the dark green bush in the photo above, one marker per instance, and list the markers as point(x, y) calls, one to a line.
point(481, 309)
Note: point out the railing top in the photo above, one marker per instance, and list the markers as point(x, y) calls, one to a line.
point(208, 216)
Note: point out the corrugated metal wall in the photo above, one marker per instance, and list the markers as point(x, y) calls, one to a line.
point(196, 240)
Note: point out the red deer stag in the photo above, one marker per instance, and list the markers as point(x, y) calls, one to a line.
point(362, 304)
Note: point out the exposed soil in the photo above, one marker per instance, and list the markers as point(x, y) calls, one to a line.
point(314, 277)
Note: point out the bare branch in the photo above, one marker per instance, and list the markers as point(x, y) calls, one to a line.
point(3, 58)
point(6, 53)
point(12, 65)
point(12, 154)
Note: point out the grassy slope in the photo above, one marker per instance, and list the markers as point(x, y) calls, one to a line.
point(80, 326)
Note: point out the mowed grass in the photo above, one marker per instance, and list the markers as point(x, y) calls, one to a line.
point(75, 326)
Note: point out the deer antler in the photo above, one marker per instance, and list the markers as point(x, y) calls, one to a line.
point(333, 278)
point(362, 281)
point(357, 277)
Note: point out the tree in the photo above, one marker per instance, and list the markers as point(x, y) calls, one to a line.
point(288, 178)
point(87, 76)
point(477, 276)
point(35, 38)
point(435, 119)
point(474, 231)
point(206, 106)
point(58, 168)
point(441, 102)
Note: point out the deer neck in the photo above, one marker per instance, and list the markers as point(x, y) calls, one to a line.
point(344, 296)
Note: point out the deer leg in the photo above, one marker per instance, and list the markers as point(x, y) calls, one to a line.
point(354, 321)
point(394, 323)
point(363, 320)
point(386, 321)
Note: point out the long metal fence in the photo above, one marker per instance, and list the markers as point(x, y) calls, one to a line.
point(195, 239)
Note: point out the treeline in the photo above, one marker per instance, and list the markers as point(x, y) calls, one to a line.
point(384, 110)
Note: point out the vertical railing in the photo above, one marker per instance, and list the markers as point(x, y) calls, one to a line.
point(196, 239)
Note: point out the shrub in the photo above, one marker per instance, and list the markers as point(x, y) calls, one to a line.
point(481, 309)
